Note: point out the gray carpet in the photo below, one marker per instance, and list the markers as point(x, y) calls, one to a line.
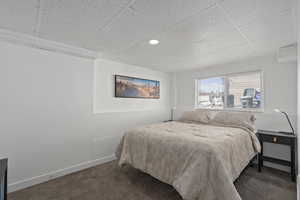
point(109, 182)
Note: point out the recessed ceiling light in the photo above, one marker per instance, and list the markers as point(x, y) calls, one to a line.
point(153, 42)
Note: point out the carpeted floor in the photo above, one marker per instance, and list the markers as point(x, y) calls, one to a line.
point(109, 182)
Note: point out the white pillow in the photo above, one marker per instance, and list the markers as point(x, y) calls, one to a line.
point(210, 113)
point(200, 116)
point(239, 119)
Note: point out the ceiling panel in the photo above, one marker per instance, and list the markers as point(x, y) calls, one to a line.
point(189, 61)
point(75, 21)
point(271, 31)
point(145, 19)
point(206, 32)
point(273, 7)
point(240, 11)
point(18, 15)
point(243, 12)
point(191, 40)
point(193, 33)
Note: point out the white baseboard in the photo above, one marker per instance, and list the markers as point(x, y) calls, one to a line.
point(58, 173)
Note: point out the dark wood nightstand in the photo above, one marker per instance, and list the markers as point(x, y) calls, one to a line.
point(277, 138)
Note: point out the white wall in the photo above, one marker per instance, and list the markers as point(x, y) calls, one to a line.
point(47, 124)
point(104, 88)
point(280, 91)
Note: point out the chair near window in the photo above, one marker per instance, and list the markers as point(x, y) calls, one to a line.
point(230, 101)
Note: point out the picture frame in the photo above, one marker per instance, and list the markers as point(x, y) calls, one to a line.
point(133, 87)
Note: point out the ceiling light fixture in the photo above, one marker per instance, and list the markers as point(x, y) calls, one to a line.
point(153, 42)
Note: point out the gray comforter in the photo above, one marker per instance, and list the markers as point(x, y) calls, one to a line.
point(200, 161)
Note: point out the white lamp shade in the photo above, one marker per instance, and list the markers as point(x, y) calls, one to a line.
point(277, 110)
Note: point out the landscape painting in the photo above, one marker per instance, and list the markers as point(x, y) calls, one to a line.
point(131, 87)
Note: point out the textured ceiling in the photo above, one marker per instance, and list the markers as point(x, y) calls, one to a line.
point(192, 33)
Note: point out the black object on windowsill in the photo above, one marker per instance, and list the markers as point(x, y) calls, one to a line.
point(288, 119)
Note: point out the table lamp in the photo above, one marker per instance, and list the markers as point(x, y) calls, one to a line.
point(287, 117)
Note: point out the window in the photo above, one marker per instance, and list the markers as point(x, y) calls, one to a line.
point(236, 91)
point(211, 93)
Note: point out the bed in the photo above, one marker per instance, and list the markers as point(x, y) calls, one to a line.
point(200, 156)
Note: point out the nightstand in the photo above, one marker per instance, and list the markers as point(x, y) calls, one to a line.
point(277, 138)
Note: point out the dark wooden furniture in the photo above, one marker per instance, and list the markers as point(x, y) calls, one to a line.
point(3, 179)
point(277, 138)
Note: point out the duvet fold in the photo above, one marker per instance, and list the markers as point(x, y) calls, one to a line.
point(200, 161)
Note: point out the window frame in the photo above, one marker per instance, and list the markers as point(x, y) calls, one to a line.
point(226, 88)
